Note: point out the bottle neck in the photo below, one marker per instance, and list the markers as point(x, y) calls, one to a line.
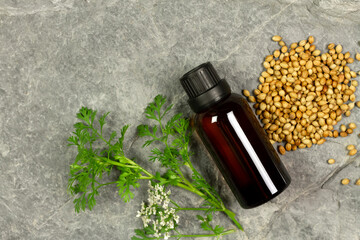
point(211, 97)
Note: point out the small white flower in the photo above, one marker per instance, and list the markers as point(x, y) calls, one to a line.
point(171, 224)
point(176, 218)
point(158, 212)
point(162, 223)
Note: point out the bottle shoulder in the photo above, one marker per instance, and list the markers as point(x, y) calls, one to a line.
point(232, 102)
point(235, 103)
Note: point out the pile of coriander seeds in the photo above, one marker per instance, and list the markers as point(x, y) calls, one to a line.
point(304, 93)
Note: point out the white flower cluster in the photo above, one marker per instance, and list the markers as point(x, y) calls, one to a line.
point(157, 212)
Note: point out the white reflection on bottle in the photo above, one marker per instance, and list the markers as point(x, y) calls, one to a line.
point(254, 157)
point(214, 119)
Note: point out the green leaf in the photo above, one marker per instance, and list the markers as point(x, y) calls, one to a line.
point(73, 141)
point(102, 120)
point(200, 184)
point(140, 232)
point(149, 229)
point(127, 179)
point(160, 100)
point(112, 136)
point(123, 131)
point(167, 110)
point(86, 115)
point(205, 226)
point(148, 142)
point(143, 130)
point(89, 167)
point(91, 199)
point(136, 238)
point(92, 116)
point(218, 229)
point(200, 218)
point(80, 126)
point(170, 125)
point(172, 177)
point(140, 235)
point(153, 110)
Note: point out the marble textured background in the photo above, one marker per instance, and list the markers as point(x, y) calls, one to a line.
point(116, 55)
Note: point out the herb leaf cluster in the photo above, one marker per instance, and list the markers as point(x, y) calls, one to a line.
point(169, 137)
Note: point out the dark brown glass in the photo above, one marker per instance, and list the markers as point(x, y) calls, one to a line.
point(242, 151)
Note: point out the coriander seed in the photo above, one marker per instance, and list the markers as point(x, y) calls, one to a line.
point(352, 152)
point(304, 93)
point(276, 38)
point(345, 181)
point(357, 182)
point(281, 150)
point(331, 161)
point(357, 56)
point(350, 147)
point(246, 93)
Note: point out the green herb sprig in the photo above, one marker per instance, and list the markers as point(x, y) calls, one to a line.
point(98, 155)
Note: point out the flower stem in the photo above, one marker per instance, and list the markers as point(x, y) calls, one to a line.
point(173, 202)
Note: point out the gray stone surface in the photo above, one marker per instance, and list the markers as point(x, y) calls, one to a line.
point(116, 56)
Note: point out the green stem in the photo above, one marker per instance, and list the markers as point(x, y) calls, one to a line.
point(198, 235)
point(100, 135)
point(100, 185)
point(137, 166)
point(231, 215)
point(130, 161)
point(183, 178)
point(194, 190)
point(146, 178)
point(191, 188)
point(133, 165)
point(219, 203)
point(120, 164)
point(195, 171)
point(197, 209)
point(173, 202)
point(142, 169)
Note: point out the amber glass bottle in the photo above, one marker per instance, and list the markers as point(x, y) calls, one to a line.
point(233, 136)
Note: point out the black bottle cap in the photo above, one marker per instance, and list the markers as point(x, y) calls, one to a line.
point(204, 87)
